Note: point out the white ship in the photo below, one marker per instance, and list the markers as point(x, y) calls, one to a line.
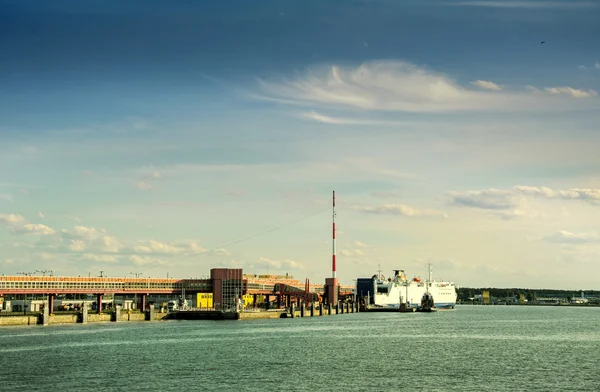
point(389, 293)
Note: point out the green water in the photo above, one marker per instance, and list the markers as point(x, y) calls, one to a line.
point(473, 348)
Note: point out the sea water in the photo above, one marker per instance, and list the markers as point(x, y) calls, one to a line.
point(471, 348)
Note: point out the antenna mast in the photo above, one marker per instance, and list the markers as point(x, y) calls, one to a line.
point(333, 270)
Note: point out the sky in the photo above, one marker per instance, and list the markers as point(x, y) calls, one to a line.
point(171, 137)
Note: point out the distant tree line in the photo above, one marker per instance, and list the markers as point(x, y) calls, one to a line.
point(464, 293)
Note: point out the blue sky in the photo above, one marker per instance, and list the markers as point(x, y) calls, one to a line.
point(164, 137)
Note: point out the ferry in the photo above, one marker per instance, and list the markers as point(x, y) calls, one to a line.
point(388, 293)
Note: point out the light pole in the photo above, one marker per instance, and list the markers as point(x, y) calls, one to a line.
point(137, 275)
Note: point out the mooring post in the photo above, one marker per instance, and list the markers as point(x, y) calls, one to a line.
point(84, 314)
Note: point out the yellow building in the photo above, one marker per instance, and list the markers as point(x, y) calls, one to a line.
point(249, 300)
point(486, 297)
point(204, 300)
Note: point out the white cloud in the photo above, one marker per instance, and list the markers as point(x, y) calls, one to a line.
point(148, 179)
point(153, 246)
point(109, 244)
point(19, 225)
point(597, 65)
point(77, 246)
point(6, 196)
point(34, 229)
point(220, 252)
point(145, 260)
point(41, 215)
point(82, 232)
point(401, 87)
point(143, 185)
point(566, 237)
point(11, 219)
point(573, 92)
point(400, 209)
point(361, 244)
point(486, 84)
point(100, 258)
point(281, 264)
point(352, 252)
point(9, 261)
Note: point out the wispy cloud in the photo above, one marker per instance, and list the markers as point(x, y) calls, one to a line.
point(352, 252)
point(498, 199)
point(567, 237)
point(591, 196)
point(386, 194)
point(6, 196)
point(512, 203)
point(573, 92)
point(143, 185)
point(597, 65)
point(401, 87)
point(312, 115)
point(147, 181)
point(525, 4)
point(486, 84)
point(400, 209)
point(489, 199)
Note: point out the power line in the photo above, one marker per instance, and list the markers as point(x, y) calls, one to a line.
point(237, 241)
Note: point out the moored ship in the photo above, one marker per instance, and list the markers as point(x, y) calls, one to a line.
point(380, 293)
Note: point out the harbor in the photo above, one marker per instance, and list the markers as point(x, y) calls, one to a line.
point(227, 294)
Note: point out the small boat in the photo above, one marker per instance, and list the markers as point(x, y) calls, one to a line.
point(427, 303)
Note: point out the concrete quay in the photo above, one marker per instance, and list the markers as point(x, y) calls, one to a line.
point(150, 315)
point(77, 318)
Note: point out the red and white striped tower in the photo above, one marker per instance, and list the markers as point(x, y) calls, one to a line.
point(333, 269)
point(332, 283)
